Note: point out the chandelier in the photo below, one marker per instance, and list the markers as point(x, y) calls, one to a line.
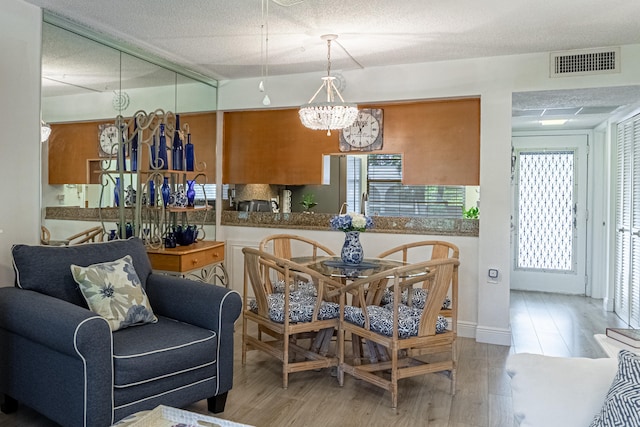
point(45, 131)
point(330, 114)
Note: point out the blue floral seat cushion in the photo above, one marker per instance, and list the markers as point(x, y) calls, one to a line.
point(301, 305)
point(418, 298)
point(381, 319)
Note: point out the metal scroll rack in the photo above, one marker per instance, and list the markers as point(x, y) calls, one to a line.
point(141, 211)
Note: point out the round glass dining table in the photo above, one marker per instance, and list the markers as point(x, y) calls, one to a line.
point(335, 267)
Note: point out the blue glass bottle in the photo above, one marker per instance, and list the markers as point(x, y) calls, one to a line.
point(116, 193)
point(166, 192)
point(189, 156)
point(134, 149)
point(152, 193)
point(121, 157)
point(162, 149)
point(154, 154)
point(177, 154)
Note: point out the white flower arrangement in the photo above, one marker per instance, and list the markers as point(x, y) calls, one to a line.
point(351, 222)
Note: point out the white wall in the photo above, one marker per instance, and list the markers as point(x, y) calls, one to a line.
point(494, 80)
point(20, 35)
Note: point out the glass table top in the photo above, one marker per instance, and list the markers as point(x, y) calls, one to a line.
point(334, 267)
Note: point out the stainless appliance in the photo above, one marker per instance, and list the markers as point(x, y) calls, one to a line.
point(254, 206)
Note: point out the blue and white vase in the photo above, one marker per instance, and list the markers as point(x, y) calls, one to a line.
point(180, 198)
point(352, 252)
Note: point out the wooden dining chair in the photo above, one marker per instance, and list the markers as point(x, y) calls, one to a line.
point(93, 234)
point(409, 334)
point(283, 318)
point(288, 246)
point(291, 245)
point(429, 250)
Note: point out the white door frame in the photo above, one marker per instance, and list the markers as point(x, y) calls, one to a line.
point(575, 282)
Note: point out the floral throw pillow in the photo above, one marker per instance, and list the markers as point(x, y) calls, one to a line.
point(114, 291)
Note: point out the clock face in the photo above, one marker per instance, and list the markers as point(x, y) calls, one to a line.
point(365, 134)
point(108, 139)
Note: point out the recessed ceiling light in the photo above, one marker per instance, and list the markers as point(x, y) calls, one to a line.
point(554, 122)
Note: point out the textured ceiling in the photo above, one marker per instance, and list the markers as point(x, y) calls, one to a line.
point(224, 39)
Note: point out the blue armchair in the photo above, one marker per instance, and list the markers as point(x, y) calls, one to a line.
point(63, 360)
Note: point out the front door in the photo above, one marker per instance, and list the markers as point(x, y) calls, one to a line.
point(549, 220)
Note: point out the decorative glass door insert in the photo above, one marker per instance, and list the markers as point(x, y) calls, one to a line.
point(546, 210)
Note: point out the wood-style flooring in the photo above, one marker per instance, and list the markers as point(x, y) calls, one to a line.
point(557, 325)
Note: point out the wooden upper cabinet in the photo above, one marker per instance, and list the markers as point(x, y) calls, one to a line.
point(203, 137)
point(439, 141)
point(74, 154)
point(273, 147)
point(71, 145)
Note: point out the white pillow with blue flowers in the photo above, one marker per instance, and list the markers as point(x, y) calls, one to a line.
point(114, 291)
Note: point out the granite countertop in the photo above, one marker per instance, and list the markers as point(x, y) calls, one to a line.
point(320, 221)
point(294, 220)
point(74, 213)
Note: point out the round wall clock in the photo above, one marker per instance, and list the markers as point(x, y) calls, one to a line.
point(365, 134)
point(107, 139)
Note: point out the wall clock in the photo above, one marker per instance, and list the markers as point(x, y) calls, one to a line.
point(107, 139)
point(365, 134)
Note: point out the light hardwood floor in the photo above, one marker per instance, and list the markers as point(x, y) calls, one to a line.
point(550, 324)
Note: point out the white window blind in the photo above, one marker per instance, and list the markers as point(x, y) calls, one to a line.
point(210, 191)
point(354, 183)
point(388, 197)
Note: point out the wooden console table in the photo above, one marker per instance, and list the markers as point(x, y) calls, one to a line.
point(202, 261)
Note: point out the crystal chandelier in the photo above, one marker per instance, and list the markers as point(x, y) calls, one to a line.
point(45, 131)
point(330, 114)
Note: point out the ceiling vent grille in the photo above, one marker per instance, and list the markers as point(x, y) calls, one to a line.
point(583, 62)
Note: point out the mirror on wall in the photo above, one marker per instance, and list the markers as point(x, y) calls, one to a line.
point(85, 80)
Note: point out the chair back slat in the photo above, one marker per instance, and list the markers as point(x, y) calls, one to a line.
point(439, 286)
point(254, 276)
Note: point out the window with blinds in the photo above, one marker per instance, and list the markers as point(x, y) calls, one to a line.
point(210, 191)
point(354, 183)
point(388, 197)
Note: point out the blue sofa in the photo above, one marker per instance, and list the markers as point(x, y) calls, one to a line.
point(61, 359)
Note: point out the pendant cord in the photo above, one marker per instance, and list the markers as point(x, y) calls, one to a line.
point(328, 58)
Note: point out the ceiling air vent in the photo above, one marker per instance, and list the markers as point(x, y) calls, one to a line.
point(583, 62)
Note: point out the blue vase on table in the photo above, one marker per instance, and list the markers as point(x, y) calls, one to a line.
point(352, 252)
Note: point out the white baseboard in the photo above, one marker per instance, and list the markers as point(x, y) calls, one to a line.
point(496, 336)
point(466, 329)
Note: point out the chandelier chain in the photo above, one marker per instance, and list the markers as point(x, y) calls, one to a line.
point(328, 58)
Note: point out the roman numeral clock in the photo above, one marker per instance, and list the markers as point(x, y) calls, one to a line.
point(365, 134)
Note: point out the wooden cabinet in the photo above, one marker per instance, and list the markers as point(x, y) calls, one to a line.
point(202, 260)
point(439, 141)
point(186, 258)
point(273, 147)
